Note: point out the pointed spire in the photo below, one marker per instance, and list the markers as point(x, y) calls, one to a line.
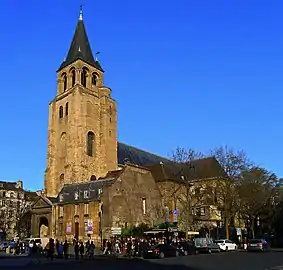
point(81, 13)
point(80, 47)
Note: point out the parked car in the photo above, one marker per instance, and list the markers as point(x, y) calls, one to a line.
point(257, 245)
point(161, 251)
point(3, 246)
point(187, 248)
point(226, 245)
point(206, 245)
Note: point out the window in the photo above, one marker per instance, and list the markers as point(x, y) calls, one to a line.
point(90, 143)
point(67, 109)
point(64, 81)
point(76, 209)
point(110, 133)
point(202, 211)
point(60, 228)
point(61, 211)
point(110, 119)
point(86, 208)
point(144, 206)
point(3, 203)
point(110, 110)
point(86, 194)
point(100, 191)
point(4, 194)
point(84, 77)
point(61, 178)
point(61, 198)
point(77, 195)
point(61, 112)
point(94, 79)
point(93, 178)
point(73, 76)
point(86, 227)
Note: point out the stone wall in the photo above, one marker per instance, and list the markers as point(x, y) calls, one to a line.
point(133, 199)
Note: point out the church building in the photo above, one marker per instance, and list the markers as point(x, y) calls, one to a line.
point(93, 183)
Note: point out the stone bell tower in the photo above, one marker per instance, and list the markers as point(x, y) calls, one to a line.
point(82, 124)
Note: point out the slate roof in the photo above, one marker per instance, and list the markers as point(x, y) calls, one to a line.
point(205, 168)
point(67, 193)
point(9, 186)
point(133, 155)
point(195, 170)
point(80, 48)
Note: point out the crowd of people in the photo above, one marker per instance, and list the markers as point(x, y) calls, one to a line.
point(132, 247)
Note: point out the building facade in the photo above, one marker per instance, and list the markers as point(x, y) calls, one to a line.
point(93, 183)
point(15, 202)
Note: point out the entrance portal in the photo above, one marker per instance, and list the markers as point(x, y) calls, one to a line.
point(77, 226)
point(43, 227)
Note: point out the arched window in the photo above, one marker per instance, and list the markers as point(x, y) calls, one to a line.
point(110, 110)
point(63, 145)
point(83, 77)
point(61, 178)
point(64, 81)
point(90, 144)
point(61, 112)
point(93, 178)
point(73, 75)
point(94, 79)
point(67, 109)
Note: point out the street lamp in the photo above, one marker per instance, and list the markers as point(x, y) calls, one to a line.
point(167, 222)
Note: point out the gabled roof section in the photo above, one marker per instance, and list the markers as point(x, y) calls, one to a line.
point(42, 202)
point(195, 170)
point(130, 154)
point(80, 48)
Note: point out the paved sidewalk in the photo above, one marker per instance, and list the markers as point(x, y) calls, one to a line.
point(10, 260)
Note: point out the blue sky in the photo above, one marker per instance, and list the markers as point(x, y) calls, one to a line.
point(196, 74)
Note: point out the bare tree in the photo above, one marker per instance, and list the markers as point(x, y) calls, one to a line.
point(183, 195)
point(23, 219)
point(233, 162)
point(257, 191)
point(6, 221)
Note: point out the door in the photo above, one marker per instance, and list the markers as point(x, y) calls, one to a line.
point(229, 244)
point(77, 226)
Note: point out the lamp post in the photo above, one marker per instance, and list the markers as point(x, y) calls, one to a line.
point(167, 223)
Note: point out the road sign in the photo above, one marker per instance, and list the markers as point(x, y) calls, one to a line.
point(175, 218)
point(116, 230)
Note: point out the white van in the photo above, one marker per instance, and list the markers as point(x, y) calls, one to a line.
point(39, 241)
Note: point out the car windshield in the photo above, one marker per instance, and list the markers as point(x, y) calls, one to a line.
point(255, 241)
point(218, 241)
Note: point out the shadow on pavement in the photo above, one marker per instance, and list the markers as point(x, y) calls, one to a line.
point(117, 264)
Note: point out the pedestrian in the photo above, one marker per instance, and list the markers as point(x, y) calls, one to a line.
point(66, 250)
point(82, 249)
point(77, 250)
point(91, 249)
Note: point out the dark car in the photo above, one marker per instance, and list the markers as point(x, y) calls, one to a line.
point(206, 245)
point(187, 248)
point(161, 251)
point(257, 245)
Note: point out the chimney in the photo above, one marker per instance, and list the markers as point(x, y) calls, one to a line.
point(19, 184)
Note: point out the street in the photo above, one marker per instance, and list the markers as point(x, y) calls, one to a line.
point(221, 261)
